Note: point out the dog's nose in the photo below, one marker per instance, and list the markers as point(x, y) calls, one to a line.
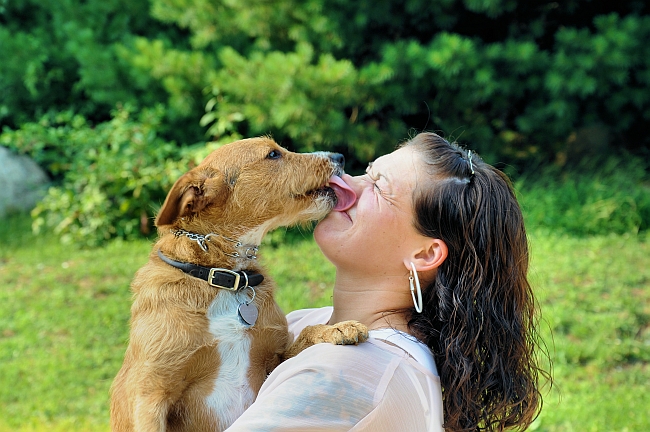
point(338, 159)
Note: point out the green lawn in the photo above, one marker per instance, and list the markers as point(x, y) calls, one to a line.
point(64, 313)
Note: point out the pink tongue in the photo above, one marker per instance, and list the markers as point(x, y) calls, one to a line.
point(345, 196)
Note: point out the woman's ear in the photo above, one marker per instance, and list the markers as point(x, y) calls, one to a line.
point(432, 254)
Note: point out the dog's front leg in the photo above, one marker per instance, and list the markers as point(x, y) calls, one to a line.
point(150, 414)
point(343, 333)
point(160, 383)
point(154, 396)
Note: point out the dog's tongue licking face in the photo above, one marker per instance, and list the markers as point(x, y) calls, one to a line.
point(345, 196)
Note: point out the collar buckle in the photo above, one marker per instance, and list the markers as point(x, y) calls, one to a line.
point(211, 277)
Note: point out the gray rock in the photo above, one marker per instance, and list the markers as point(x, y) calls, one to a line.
point(22, 182)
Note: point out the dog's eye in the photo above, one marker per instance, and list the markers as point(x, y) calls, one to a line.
point(274, 154)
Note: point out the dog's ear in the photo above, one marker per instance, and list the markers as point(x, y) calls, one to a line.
point(190, 194)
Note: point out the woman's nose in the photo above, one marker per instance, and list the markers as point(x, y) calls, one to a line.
point(355, 183)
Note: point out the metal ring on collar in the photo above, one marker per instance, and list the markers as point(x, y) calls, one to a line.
point(247, 301)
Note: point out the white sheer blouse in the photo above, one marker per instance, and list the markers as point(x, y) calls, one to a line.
point(388, 383)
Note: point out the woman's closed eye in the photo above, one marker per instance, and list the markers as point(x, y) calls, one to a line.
point(375, 185)
point(372, 180)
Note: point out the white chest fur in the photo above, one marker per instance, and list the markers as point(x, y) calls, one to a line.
point(232, 393)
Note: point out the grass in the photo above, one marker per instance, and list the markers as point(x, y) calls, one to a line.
point(64, 314)
point(609, 195)
point(595, 298)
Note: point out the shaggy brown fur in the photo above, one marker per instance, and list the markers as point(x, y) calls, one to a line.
point(172, 364)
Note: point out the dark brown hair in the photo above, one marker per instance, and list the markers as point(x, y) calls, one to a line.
point(479, 316)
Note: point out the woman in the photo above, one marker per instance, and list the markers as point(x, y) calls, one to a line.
point(430, 254)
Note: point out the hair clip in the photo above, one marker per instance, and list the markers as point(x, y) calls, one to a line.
point(469, 159)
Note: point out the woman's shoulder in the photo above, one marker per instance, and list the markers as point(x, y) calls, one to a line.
point(384, 347)
point(363, 356)
point(418, 352)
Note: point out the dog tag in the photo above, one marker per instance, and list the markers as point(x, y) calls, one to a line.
point(248, 313)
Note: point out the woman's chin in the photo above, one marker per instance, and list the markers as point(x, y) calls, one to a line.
point(328, 232)
point(334, 222)
point(341, 218)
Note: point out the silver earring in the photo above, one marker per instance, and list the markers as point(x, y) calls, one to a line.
point(413, 277)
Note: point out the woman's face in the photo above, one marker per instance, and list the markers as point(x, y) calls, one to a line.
point(376, 234)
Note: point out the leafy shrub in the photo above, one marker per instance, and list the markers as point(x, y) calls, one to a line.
point(515, 79)
point(109, 178)
point(595, 198)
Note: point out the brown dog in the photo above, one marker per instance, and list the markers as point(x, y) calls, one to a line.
point(205, 329)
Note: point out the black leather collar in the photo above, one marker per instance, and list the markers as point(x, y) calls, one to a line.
point(217, 277)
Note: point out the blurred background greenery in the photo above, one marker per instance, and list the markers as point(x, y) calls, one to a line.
point(116, 98)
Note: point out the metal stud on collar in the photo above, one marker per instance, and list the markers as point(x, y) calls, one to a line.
point(201, 240)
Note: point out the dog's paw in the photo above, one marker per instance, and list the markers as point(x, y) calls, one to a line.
point(343, 333)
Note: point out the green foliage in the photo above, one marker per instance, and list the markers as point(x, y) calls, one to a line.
point(513, 100)
point(612, 196)
point(112, 176)
point(518, 92)
point(296, 98)
point(275, 25)
point(66, 55)
point(515, 79)
point(60, 55)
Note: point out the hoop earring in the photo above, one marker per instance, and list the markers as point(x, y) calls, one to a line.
point(413, 276)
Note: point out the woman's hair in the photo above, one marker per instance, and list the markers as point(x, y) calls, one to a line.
point(479, 315)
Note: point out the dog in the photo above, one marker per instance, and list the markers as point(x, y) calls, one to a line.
point(205, 330)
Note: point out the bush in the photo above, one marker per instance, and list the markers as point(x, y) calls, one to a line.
point(515, 79)
point(604, 197)
point(109, 179)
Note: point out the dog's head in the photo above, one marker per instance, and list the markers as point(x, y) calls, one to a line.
point(252, 186)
